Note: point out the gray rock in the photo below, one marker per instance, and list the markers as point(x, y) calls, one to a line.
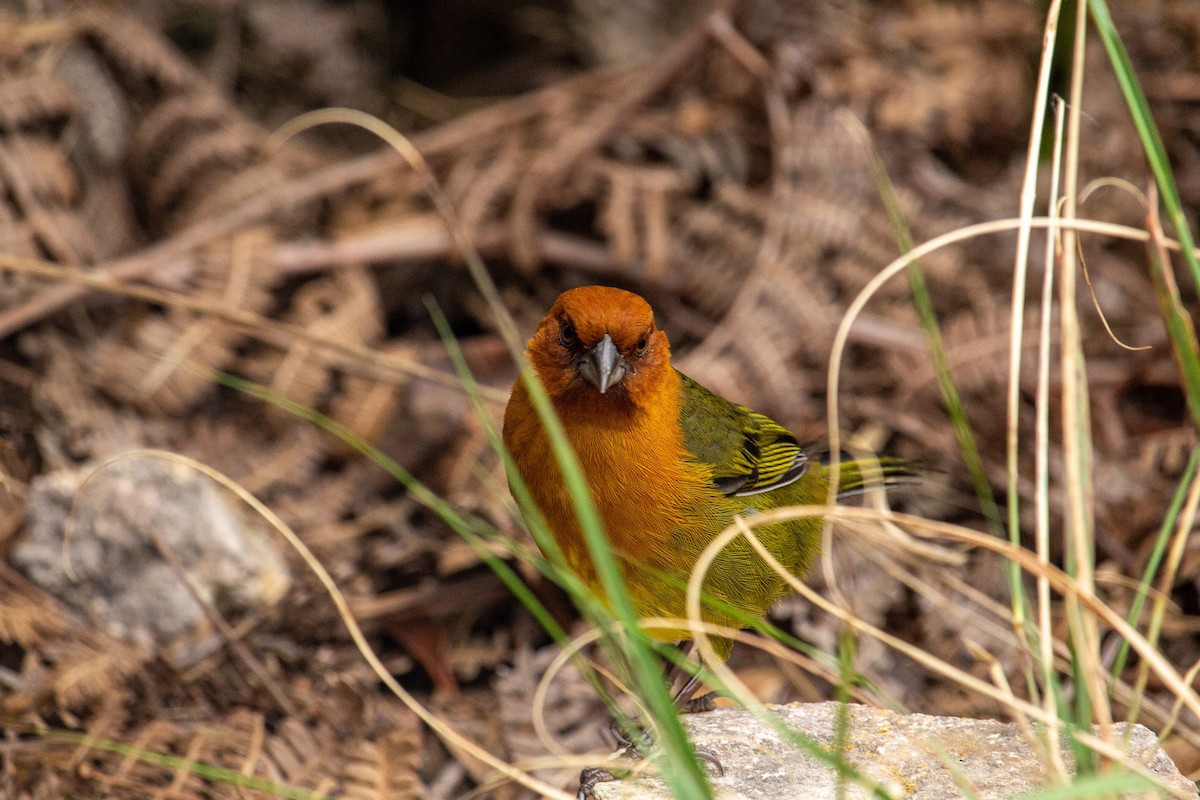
point(911, 756)
point(112, 571)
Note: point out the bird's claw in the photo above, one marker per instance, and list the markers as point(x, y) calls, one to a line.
point(704, 755)
point(629, 743)
point(699, 705)
point(589, 777)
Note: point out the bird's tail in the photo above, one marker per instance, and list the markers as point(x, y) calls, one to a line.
point(857, 474)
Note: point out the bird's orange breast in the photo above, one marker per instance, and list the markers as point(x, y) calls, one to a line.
point(642, 480)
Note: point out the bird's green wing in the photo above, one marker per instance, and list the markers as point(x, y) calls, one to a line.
point(749, 452)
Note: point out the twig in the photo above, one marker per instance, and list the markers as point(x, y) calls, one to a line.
point(425, 237)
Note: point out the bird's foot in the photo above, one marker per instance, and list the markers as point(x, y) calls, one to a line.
point(698, 705)
point(590, 776)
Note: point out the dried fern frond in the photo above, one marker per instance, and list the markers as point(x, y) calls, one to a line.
point(31, 100)
point(185, 146)
point(367, 406)
point(35, 174)
point(76, 424)
point(48, 176)
point(27, 616)
point(137, 52)
point(384, 769)
point(76, 664)
point(342, 308)
point(635, 214)
point(149, 368)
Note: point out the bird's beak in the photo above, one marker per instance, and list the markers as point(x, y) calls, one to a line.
point(603, 365)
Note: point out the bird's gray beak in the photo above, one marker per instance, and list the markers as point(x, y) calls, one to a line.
point(603, 365)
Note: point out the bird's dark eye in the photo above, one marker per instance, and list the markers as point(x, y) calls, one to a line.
point(639, 349)
point(566, 334)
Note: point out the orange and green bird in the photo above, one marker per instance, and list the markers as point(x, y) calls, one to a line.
point(669, 464)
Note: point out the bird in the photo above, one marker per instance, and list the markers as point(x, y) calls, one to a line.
point(669, 465)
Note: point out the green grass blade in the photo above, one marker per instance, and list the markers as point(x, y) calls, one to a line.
point(1152, 143)
point(683, 774)
point(927, 315)
point(1156, 557)
point(476, 532)
point(955, 409)
point(1180, 327)
point(209, 772)
point(519, 588)
point(1087, 787)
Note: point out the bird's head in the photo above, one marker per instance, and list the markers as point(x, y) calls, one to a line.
point(598, 341)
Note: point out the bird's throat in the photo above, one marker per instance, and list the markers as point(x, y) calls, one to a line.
point(636, 466)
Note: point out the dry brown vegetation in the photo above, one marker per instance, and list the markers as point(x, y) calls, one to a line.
point(150, 224)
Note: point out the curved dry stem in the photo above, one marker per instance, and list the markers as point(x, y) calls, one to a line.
point(901, 263)
point(1177, 708)
point(1113, 183)
point(279, 334)
point(444, 731)
point(505, 324)
point(565, 655)
point(1028, 561)
point(1063, 583)
point(772, 647)
point(855, 309)
point(1087, 191)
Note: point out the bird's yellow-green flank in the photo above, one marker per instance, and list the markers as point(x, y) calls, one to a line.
point(669, 464)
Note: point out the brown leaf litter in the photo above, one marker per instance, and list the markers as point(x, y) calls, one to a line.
point(164, 235)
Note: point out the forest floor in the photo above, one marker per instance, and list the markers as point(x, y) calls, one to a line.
point(154, 230)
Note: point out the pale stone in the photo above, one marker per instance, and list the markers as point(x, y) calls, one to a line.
point(92, 540)
point(911, 756)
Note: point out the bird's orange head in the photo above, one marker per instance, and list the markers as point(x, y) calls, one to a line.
point(600, 342)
